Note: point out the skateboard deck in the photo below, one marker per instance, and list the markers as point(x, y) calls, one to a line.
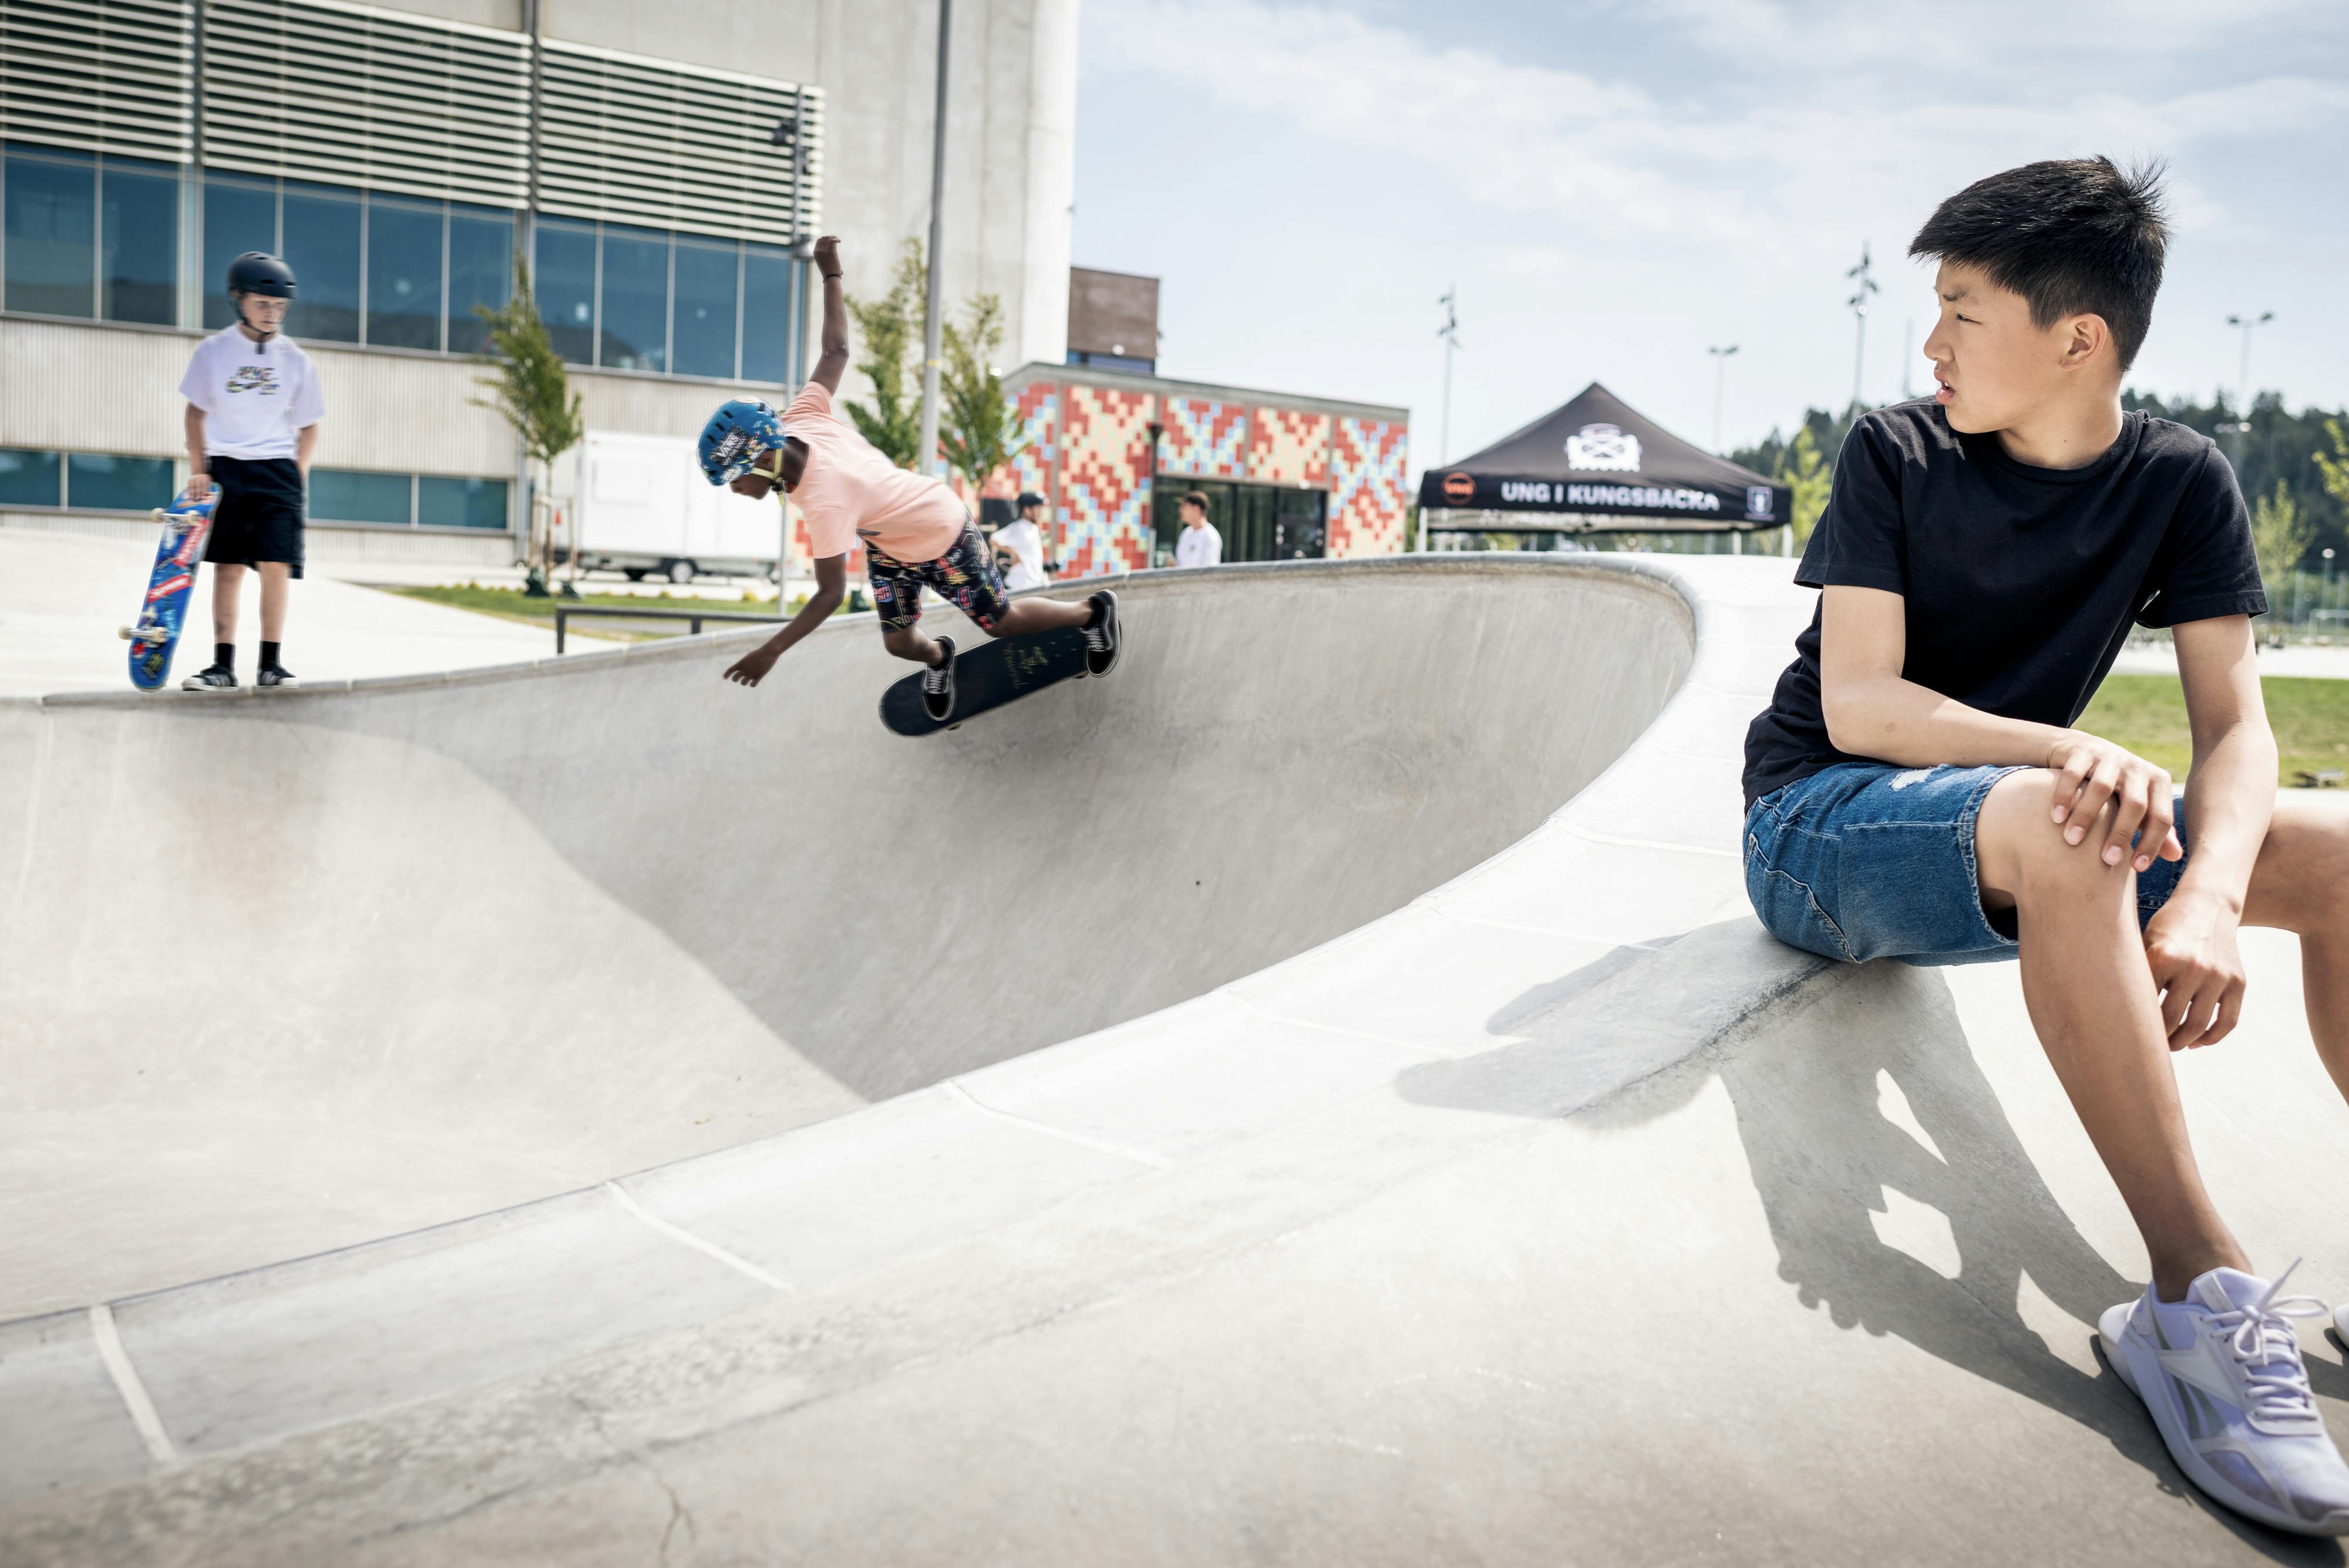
point(186, 526)
point(998, 670)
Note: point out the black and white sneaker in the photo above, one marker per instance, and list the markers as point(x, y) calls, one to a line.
point(213, 678)
point(938, 686)
point(1101, 637)
point(275, 675)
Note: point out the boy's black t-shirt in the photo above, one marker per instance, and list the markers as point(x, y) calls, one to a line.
point(2020, 582)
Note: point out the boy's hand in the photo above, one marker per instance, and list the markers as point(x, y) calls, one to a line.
point(2198, 965)
point(827, 253)
point(753, 667)
point(199, 486)
point(2093, 774)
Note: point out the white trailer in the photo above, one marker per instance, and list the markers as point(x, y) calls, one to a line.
point(643, 507)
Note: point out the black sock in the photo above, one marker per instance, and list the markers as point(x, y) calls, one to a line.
point(224, 655)
point(269, 656)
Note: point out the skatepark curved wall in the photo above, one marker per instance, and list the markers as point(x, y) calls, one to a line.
point(321, 966)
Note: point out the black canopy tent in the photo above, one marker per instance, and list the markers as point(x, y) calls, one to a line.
point(1597, 466)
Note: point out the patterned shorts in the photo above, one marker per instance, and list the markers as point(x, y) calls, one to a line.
point(965, 576)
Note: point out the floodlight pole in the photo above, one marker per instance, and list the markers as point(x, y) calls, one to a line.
point(2245, 324)
point(1720, 382)
point(1450, 333)
point(926, 454)
point(1858, 303)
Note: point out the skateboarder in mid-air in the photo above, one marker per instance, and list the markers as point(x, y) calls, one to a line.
point(253, 407)
point(915, 531)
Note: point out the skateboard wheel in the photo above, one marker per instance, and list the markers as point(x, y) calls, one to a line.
point(123, 632)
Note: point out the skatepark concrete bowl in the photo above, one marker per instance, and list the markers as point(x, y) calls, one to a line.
point(1313, 1096)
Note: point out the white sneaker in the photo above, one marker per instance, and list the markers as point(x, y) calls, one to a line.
point(2221, 1374)
point(2340, 1325)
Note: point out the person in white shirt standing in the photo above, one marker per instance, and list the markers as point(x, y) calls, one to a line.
point(1199, 543)
point(253, 407)
point(1023, 542)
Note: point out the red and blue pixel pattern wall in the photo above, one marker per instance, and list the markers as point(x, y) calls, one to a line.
point(1204, 439)
point(1104, 489)
point(1366, 487)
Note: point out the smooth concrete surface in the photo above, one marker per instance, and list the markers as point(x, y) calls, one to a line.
point(64, 597)
point(1557, 1215)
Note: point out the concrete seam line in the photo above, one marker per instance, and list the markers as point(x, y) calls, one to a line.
point(133, 1392)
point(679, 1233)
point(1225, 994)
point(1595, 837)
point(1466, 918)
point(1150, 1157)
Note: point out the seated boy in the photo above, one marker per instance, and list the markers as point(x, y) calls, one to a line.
point(1916, 789)
point(916, 532)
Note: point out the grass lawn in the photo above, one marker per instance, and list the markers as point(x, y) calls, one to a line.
point(513, 604)
point(2147, 713)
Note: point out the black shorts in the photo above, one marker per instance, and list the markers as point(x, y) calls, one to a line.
point(259, 517)
point(965, 577)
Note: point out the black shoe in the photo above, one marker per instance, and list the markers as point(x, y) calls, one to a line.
point(1101, 638)
point(216, 677)
point(938, 686)
point(275, 675)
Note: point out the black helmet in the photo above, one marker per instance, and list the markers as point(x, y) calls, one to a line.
point(257, 272)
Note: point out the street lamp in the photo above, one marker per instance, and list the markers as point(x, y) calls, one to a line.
point(2245, 324)
point(1865, 280)
point(1720, 379)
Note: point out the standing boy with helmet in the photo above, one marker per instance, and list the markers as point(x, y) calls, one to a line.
point(253, 407)
point(916, 532)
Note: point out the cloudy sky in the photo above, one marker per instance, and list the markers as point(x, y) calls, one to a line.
point(1615, 186)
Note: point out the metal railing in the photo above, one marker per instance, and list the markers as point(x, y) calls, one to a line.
point(564, 614)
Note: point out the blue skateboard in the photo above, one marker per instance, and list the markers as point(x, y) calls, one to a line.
point(186, 526)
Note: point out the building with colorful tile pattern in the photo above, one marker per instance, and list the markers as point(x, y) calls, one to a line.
point(1110, 449)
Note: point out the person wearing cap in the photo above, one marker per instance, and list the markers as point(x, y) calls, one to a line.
point(1023, 542)
point(254, 408)
point(915, 531)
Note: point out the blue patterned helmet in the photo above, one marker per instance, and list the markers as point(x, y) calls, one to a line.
point(737, 435)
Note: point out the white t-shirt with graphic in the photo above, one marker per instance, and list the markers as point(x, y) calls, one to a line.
point(1026, 542)
point(1200, 546)
point(257, 398)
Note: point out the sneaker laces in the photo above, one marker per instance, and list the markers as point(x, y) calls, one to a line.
point(2262, 1337)
point(935, 677)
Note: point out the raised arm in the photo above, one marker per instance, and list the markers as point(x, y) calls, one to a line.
point(832, 362)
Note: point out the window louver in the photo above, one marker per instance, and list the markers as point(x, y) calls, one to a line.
point(350, 94)
point(637, 141)
point(98, 76)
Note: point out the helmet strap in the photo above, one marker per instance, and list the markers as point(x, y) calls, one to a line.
point(260, 334)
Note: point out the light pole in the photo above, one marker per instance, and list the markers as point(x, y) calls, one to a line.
point(2328, 579)
point(926, 459)
point(1450, 333)
point(1720, 380)
point(2245, 324)
point(1866, 285)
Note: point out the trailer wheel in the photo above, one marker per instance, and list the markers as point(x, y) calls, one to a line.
point(634, 574)
point(680, 572)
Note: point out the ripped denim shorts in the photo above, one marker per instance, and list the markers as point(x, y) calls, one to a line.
point(1866, 860)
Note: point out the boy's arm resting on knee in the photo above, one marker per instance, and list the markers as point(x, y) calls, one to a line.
point(2234, 781)
point(831, 586)
point(1872, 711)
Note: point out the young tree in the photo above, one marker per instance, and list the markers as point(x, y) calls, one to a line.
point(2334, 465)
point(2280, 533)
point(531, 389)
point(890, 328)
point(979, 431)
point(1805, 471)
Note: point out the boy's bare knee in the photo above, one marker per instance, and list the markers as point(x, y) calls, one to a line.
point(2302, 880)
point(2023, 853)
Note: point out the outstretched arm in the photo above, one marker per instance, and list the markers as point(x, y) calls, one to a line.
point(832, 362)
point(830, 582)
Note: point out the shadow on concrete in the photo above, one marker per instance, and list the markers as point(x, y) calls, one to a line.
point(1818, 1061)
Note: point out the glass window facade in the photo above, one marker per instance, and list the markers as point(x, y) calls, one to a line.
point(403, 273)
point(322, 225)
point(632, 315)
point(99, 483)
point(85, 236)
point(28, 478)
point(138, 242)
point(348, 496)
point(481, 272)
point(442, 502)
point(50, 214)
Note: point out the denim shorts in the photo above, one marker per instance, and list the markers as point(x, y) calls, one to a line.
point(1866, 860)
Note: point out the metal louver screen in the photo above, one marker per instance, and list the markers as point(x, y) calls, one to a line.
point(635, 141)
point(98, 76)
point(351, 95)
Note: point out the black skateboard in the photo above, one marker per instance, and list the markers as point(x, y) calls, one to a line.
point(998, 670)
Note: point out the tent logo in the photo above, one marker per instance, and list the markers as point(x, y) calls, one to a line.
point(1758, 501)
point(1603, 448)
point(1460, 487)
